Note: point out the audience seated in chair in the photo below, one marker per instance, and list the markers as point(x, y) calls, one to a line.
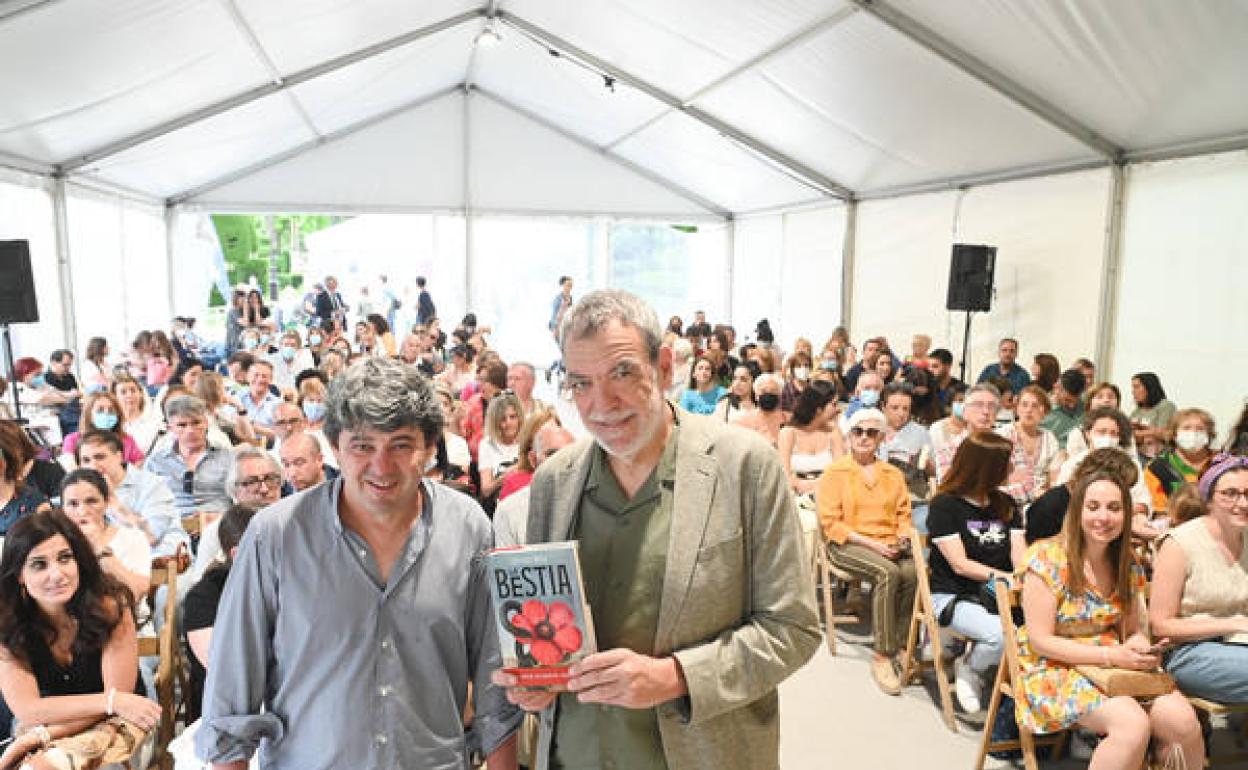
point(1200, 589)
point(67, 637)
point(811, 440)
point(977, 533)
point(864, 512)
point(1079, 602)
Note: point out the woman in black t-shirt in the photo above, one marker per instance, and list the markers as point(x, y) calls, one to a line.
point(199, 609)
point(978, 537)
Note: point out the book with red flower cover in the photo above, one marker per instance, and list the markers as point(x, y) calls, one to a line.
point(544, 623)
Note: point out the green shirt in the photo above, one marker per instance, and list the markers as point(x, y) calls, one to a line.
point(623, 550)
point(1060, 422)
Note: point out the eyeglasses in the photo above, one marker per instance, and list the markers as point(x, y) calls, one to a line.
point(858, 431)
point(188, 482)
point(1233, 496)
point(254, 483)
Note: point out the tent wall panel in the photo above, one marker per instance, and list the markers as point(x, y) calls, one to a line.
point(27, 213)
point(810, 277)
point(758, 249)
point(1050, 239)
point(1181, 303)
point(901, 270)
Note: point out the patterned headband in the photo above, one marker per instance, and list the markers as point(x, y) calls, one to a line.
point(1221, 465)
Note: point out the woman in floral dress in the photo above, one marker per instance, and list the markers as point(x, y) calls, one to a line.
point(1079, 599)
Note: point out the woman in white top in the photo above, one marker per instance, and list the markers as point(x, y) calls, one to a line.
point(1200, 589)
point(1111, 428)
point(811, 440)
point(1104, 395)
point(501, 448)
point(124, 552)
point(951, 429)
point(1033, 459)
point(94, 366)
point(138, 417)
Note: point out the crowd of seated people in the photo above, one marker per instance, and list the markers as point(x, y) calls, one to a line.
point(1022, 475)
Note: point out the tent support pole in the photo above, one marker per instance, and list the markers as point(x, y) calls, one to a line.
point(170, 218)
point(848, 246)
point(1107, 316)
point(730, 268)
point(469, 245)
point(64, 270)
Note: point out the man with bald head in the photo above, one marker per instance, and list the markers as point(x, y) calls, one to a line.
point(512, 515)
point(302, 462)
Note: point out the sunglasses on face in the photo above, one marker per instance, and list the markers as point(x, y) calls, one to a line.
point(858, 431)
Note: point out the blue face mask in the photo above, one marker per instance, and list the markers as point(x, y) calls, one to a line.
point(870, 398)
point(957, 409)
point(288, 354)
point(39, 381)
point(314, 340)
point(104, 420)
point(264, 339)
point(249, 343)
point(313, 410)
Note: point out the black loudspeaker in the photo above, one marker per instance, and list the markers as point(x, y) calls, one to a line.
point(970, 278)
point(17, 284)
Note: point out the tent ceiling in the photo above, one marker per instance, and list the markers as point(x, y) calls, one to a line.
point(736, 104)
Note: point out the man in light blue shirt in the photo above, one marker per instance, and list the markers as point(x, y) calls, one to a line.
point(258, 400)
point(1006, 367)
point(143, 500)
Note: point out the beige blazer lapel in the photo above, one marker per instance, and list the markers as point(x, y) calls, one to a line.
point(691, 509)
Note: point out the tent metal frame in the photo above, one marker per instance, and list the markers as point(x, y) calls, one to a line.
point(803, 173)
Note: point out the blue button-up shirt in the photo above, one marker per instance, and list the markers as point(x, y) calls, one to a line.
point(319, 663)
point(149, 496)
point(205, 489)
point(261, 413)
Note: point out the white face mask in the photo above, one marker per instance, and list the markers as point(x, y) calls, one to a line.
point(1102, 442)
point(1191, 439)
point(801, 373)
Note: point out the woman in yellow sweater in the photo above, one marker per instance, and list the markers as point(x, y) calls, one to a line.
point(864, 512)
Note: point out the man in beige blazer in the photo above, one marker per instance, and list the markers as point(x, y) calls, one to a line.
point(692, 554)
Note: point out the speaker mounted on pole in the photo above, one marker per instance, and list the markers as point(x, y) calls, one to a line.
point(18, 303)
point(971, 270)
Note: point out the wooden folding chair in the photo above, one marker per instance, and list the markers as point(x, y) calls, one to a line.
point(1009, 683)
point(825, 575)
point(1209, 708)
point(924, 617)
point(170, 672)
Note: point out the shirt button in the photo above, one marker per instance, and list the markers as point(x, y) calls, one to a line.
point(381, 739)
point(384, 690)
point(363, 553)
point(385, 644)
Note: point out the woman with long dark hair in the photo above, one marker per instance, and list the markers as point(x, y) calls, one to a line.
point(1152, 413)
point(978, 536)
point(811, 440)
point(67, 639)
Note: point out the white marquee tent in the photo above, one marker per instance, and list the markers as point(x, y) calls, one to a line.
point(830, 151)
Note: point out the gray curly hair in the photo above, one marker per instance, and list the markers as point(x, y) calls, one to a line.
point(599, 308)
point(385, 395)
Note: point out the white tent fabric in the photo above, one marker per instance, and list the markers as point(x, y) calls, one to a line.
point(760, 115)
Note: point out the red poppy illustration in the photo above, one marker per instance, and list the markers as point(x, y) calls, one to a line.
point(550, 632)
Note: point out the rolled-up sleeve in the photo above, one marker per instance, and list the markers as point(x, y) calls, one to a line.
point(241, 658)
point(162, 516)
point(495, 719)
